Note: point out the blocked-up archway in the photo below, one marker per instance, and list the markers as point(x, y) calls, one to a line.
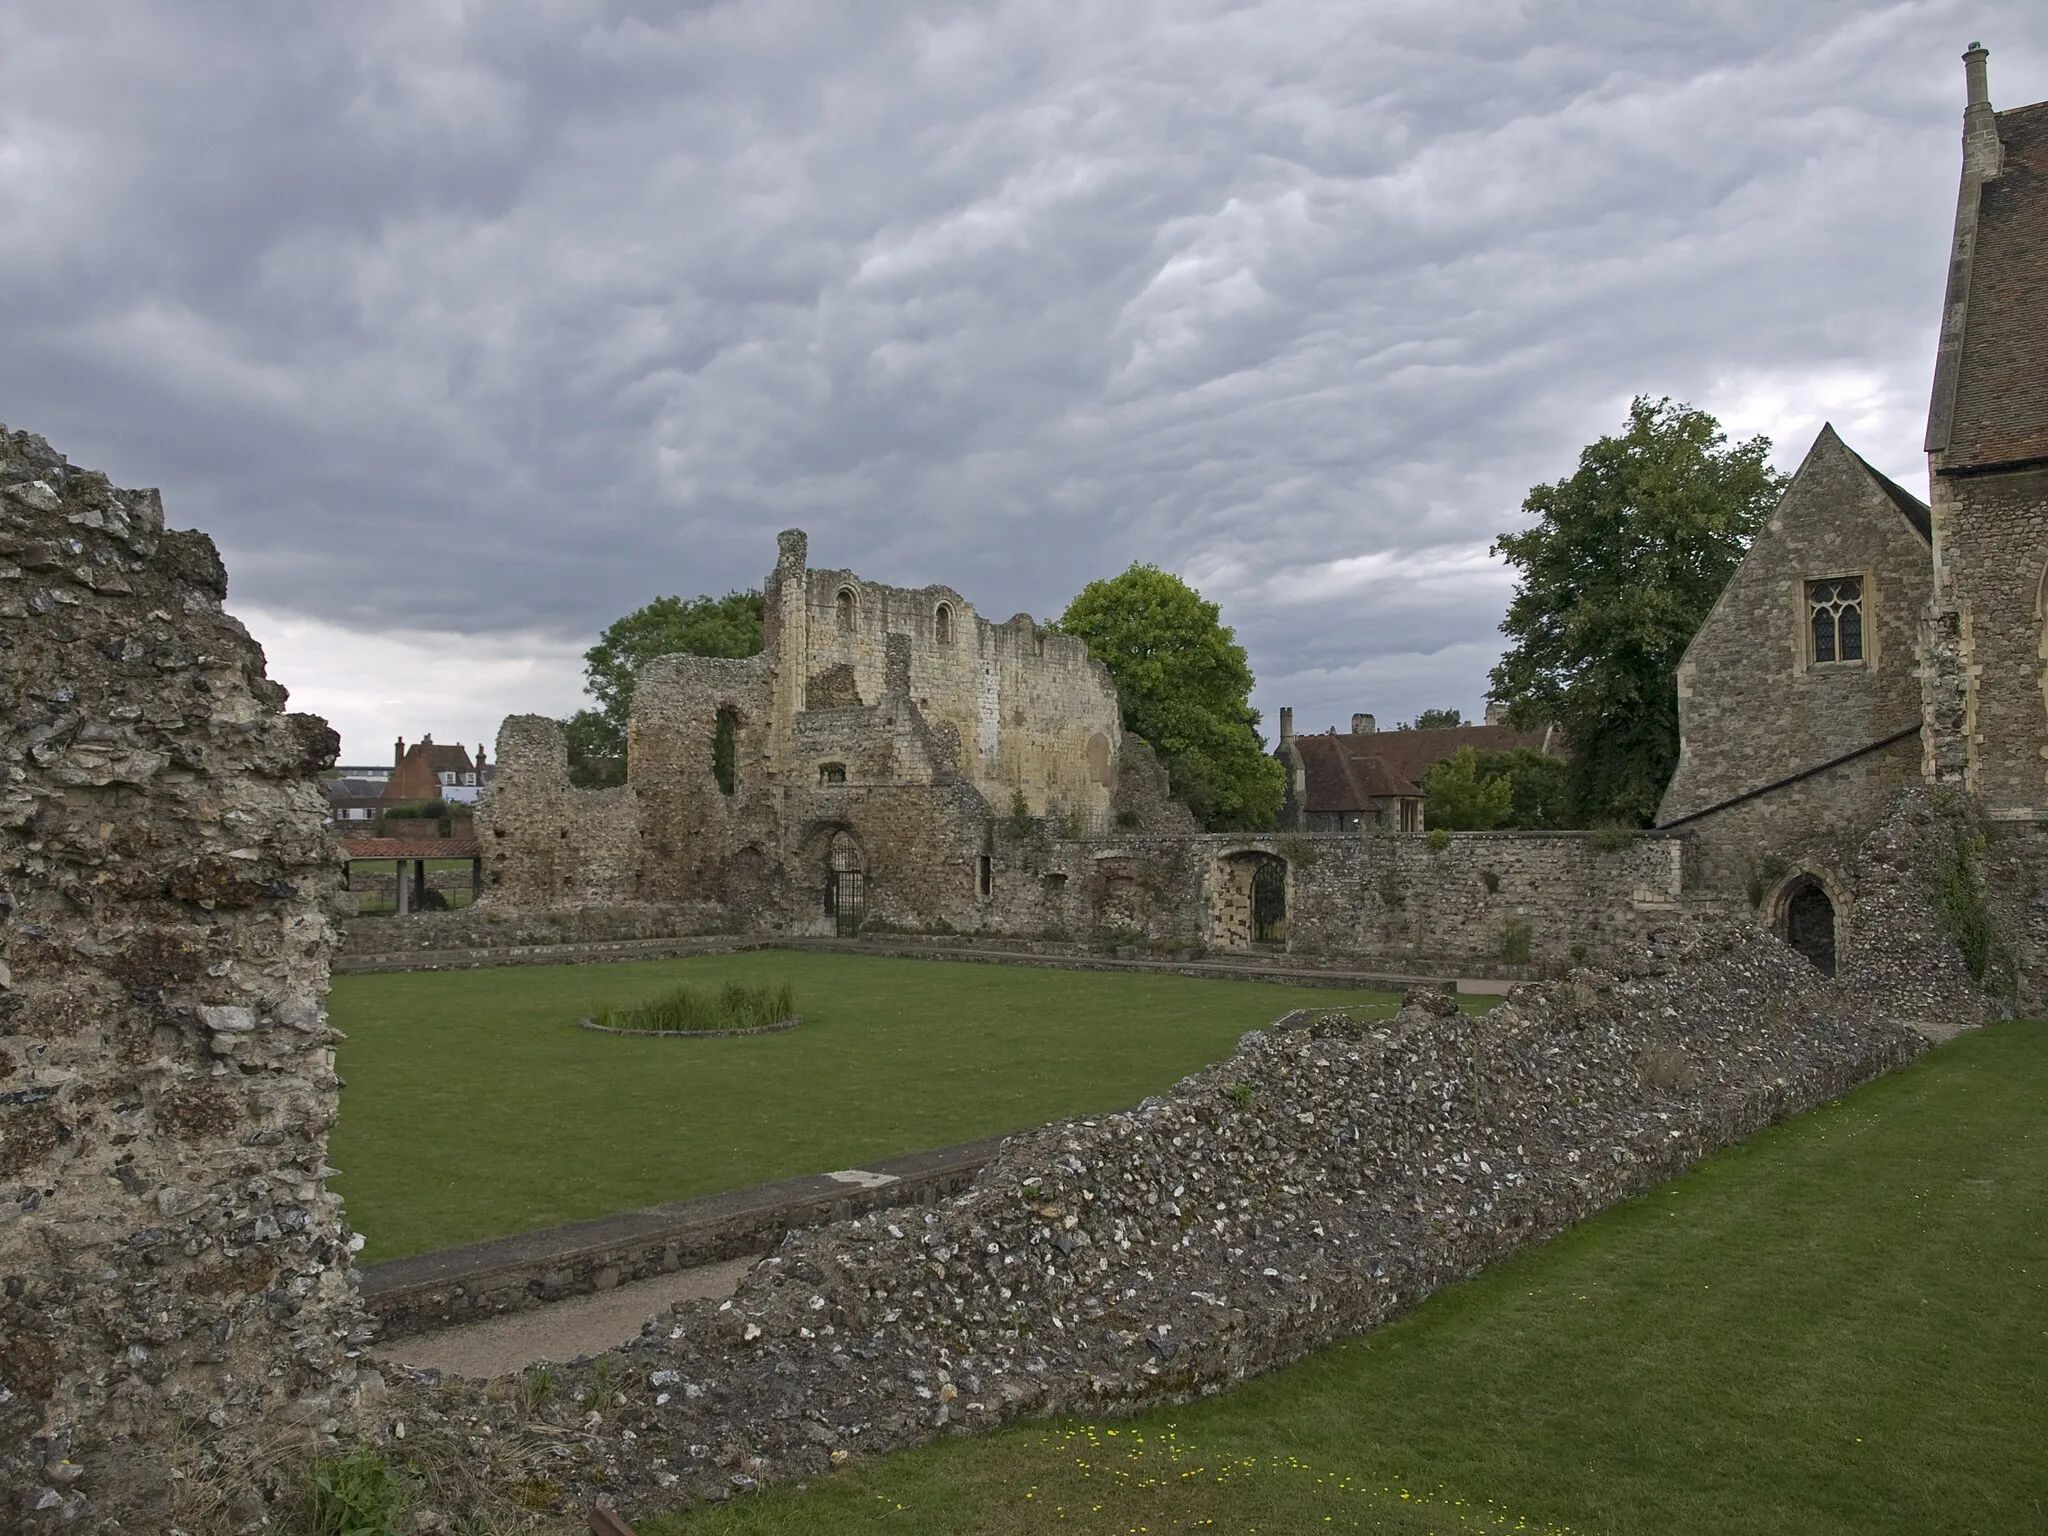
point(1807, 919)
point(1249, 900)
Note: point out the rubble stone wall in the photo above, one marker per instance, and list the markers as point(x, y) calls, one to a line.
point(175, 1284)
point(1328, 1176)
point(1992, 531)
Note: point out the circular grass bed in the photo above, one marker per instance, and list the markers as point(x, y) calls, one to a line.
point(707, 1014)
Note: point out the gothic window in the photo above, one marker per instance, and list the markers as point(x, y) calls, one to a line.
point(831, 773)
point(942, 624)
point(1835, 611)
point(845, 607)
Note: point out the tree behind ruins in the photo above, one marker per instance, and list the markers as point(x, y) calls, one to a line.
point(1185, 687)
point(1625, 559)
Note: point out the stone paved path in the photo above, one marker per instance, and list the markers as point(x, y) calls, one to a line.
point(582, 1325)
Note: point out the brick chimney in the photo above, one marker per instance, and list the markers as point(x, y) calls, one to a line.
point(398, 753)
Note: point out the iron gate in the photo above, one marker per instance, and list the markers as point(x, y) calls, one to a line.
point(846, 898)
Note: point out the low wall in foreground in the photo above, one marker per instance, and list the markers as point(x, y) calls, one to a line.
point(1320, 1181)
point(511, 1274)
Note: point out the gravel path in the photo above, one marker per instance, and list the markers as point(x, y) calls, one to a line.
point(582, 1325)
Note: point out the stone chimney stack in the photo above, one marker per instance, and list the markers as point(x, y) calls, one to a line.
point(1286, 722)
point(1496, 712)
point(1982, 152)
point(1364, 725)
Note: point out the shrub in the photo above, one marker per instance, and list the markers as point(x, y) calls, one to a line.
point(433, 810)
point(1959, 903)
point(1439, 839)
point(1515, 936)
point(1612, 837)
point(1019, 824)
point(690, 1010)
point(1490, 879)
point(402, 813)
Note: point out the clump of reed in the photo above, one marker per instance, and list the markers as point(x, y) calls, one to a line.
point(688, 1010)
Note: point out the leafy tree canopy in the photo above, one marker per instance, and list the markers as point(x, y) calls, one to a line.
point(668, 626)
point(1459, 800)
point(1625, 559)
point(1186, 689)
point(1522, 790)
point(1432, 720)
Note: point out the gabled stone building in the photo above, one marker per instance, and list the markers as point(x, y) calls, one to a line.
point(1870, 641)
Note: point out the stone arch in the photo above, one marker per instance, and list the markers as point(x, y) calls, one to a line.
point(1248, 899)
point(942, 623)
point(846, 883)
point(1809, 909)
point(846, 610)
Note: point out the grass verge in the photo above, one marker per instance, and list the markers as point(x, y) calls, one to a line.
point(1840, 1326)
point(475, 1107)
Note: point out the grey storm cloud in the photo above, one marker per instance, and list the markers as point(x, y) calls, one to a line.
point(504, 318)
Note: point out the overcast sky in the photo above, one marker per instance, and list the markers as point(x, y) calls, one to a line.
point(465, 328)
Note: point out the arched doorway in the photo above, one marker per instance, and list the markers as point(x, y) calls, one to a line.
point(1806, 921)
point(1250, 902)
point(846, 886)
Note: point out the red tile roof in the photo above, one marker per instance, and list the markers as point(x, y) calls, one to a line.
point(1346, 773)
point(412, 848)
point(1342, 775)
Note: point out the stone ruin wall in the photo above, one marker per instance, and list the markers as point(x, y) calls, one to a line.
point(175, 1285)
point(1992, 658)
point(1393, 900)
point(1024, 711)
point(1329, 1176)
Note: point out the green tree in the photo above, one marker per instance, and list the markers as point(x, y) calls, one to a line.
point(668, 626)
point(1625, 558)
point(1460, 800)
point(1540, 788)
point(1186, 688)
point(1432, 720)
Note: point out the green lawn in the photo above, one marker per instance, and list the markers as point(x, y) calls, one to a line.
point(1839, 1327)
point(475, 1107)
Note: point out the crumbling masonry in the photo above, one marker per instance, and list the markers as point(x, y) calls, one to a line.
point(175, 1291)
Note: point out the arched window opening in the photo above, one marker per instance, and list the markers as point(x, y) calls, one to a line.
point(984, 875)
point(1835, 612)
point(845, 607)
point(831, 773)
point(1807, 923)
point(942, 624)
point(725, 754)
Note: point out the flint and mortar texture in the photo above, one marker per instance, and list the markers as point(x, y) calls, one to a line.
point(1327, 1177)
point(175, 1286)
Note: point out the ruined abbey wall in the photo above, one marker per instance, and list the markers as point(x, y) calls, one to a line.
point(175, 1286)
point(1022, 711)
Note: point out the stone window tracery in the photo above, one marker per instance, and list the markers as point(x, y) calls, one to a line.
point(1835, 618)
